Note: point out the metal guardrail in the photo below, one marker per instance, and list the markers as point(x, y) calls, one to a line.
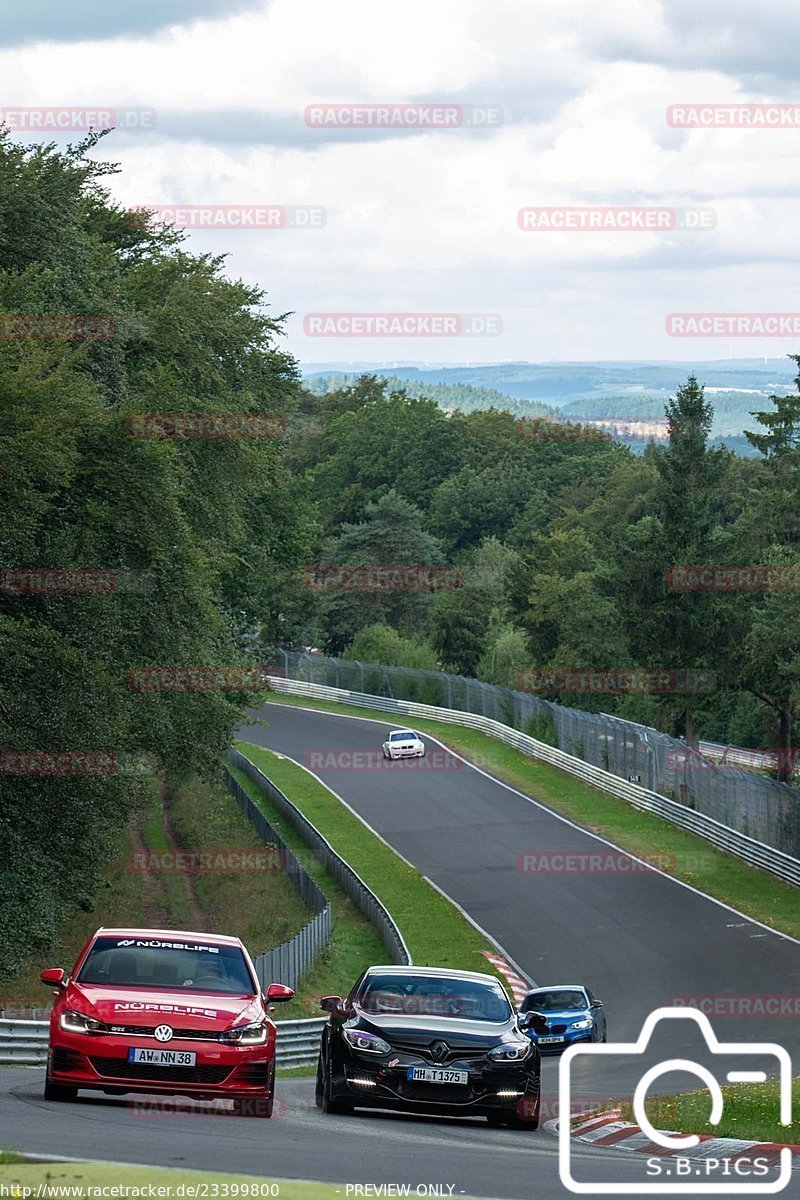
point(363, 896)
point(744, 800)
point(725, 838)
point(24, 1043)
point(287, 962)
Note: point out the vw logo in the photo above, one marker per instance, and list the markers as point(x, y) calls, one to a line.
point(163, 1033)
point(439, 1051)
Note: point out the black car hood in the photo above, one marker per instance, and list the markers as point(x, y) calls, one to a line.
point(421, 1031)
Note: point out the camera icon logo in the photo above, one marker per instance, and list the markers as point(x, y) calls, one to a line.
point(671, 1141)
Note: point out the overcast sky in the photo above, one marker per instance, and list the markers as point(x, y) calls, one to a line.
point(575, 93)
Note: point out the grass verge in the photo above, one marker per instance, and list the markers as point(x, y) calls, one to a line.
point(354, 944)
point(27, 1177)
point(260, 906)
point(680, 854)
point(435, 931)
point(750, 1112)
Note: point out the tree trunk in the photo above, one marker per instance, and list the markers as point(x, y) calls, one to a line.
point(785, 752)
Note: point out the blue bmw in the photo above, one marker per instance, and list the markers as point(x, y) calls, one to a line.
point(572, 1014)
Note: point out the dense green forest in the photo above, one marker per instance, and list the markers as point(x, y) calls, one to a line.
point(562, 544)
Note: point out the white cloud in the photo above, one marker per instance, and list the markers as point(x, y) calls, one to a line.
point(429, 222)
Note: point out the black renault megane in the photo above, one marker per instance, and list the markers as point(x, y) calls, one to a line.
point(424, 1039)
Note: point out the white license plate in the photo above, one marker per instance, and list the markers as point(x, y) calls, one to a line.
point(437, 1075)
point(161, 1058)
point(549, 1041)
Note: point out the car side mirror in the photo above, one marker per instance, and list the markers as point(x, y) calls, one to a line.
point(534, 1021)
point(333, 1005)
point(279, 993)
point(53, 977)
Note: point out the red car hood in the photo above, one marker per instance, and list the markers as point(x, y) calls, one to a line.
point(140, 1006)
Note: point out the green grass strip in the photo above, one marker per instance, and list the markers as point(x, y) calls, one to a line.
point(436, 933)
point(355, 942)
point(750, 1112)
point(683, 855)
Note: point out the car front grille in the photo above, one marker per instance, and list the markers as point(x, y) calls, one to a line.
point(556, 1029)
point(190, 1035)
point(120, 1068)
point(454, 1053)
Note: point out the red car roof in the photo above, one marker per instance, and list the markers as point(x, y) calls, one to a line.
point(131, 931)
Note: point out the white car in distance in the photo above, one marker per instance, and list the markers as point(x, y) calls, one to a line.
point(403, 743)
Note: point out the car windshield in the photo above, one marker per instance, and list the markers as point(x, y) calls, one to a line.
point(433, 996)
point(558, 1000)
point(153, 963)
point(403, 735)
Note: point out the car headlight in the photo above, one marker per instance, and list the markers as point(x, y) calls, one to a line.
point(368, 1042)
point(585, 1024)
point(77, 1022)
point(510, 1051)
point(246, 1035)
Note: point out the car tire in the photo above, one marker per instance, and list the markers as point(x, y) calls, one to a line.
point(497, 1119)
point(59, 1091)
point(329, 1104)
point(320, 1084)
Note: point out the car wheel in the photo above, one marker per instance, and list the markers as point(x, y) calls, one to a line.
point(497, 1118)
point(59, 1091)
point(320, 1085)
point(329, 1105)
point(253, 1106)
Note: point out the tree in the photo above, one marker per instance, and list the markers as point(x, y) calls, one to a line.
point(390, 535)
point(382, 644)
point(678, 631)
point(177, 528)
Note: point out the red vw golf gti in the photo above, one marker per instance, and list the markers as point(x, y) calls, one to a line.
point(163, 1011)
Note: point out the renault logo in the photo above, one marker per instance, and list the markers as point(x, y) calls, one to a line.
point(163, 1033)
point(440, 1050)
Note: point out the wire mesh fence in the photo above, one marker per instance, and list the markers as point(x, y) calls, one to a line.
point(751, 803)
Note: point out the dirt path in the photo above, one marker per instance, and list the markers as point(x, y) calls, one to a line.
point(153, 908)
point(197, 918)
